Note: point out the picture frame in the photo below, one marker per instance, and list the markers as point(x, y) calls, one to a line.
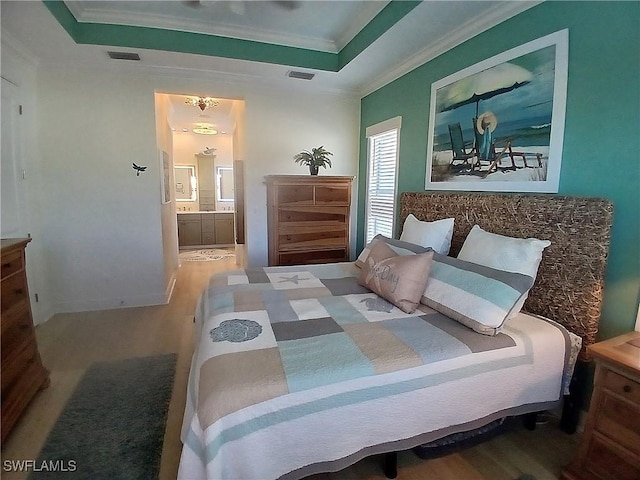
point(165, 178)
point(498, 125)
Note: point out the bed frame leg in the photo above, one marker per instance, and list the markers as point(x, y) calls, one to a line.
point(529, 420)
point(574, 402)
point(390, 466)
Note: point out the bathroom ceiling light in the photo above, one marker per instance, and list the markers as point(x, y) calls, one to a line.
point(201, 102)
point(204, 129)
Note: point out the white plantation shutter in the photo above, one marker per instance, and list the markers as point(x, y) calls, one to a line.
point(381, 178)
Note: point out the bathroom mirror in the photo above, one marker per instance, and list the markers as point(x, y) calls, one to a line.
point(185, 178)
point(224, 179)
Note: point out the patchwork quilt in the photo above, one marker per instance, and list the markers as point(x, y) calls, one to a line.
point(299, 370)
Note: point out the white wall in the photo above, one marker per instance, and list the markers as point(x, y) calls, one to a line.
point(278, 127)
point(102, 222)
point(20, 70)
point(168, 210)
point(104, 233)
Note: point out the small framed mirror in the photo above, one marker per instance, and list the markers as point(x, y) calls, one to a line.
point(186, 183)
point(224, 180)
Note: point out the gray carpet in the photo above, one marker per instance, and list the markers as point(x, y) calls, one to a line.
point(113, 425)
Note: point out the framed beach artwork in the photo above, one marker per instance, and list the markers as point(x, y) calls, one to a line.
point(498, 125)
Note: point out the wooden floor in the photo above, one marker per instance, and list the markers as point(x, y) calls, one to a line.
point(70, 343)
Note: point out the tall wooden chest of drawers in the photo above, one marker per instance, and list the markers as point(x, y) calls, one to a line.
point(308, 219)
point(22, 371)
point(610, 445)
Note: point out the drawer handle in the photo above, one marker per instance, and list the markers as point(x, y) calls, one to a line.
point(18, 291)
point(626, 388)
point(6, 265)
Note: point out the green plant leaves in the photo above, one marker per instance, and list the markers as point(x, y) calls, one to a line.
point(318, 157)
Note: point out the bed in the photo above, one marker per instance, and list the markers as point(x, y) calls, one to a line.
point(300, 370)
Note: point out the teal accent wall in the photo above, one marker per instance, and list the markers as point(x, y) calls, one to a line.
point(601, 152)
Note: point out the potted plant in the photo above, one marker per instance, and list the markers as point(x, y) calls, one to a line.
point(317, 157)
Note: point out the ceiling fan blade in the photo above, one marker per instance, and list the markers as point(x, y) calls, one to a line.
point(286, 4)
point(237, 7)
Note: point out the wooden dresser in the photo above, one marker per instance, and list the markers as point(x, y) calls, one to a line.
point(308, 218)
point(610, 445)
point(22, 371)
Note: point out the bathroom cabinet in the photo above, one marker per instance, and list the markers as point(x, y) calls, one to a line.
point(224, 231)
point(205, 228)
point(189, 229)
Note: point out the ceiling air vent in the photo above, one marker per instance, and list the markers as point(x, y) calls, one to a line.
point(124, 56)
point(300, 75)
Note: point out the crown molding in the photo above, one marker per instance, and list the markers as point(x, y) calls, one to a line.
point(188, 42)
point(166, 22)
point(134, 19)
point(467, 31)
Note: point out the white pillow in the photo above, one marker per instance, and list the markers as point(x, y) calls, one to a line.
point(436, 235)
point(517, 255)
point(509, 254)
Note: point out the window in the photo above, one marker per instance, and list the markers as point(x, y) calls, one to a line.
point(381, 178)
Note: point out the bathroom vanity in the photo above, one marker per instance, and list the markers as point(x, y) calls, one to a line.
point(205, 228)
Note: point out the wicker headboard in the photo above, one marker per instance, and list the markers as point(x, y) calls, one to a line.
point(570, 279)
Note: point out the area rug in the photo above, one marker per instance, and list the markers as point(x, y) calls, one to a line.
point(205, 254)
point(113, 425)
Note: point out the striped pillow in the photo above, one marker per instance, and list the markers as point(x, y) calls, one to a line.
point(480, 297)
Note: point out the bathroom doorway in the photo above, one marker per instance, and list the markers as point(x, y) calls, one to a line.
point(206, 141)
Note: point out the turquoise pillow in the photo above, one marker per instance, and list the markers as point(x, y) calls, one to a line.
point(482, 298)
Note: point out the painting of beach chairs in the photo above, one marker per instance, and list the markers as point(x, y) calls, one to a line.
point(498, 125)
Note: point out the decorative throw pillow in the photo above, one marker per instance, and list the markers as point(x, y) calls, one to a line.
point(399, 279)
point(398, 246)
point(436, 235)
point(482, 298)
point(518, 255)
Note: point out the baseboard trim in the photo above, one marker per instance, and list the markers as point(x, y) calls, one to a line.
point(125, 302)
point(111, 303)
point(170, 286)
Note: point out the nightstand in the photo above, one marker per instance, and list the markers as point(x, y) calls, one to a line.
point(610, 445)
